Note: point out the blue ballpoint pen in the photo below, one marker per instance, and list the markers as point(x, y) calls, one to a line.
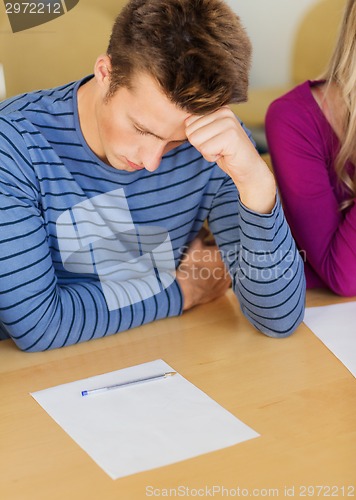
point(125, 384)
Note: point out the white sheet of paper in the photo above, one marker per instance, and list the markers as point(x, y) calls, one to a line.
point(335, 326)
point(144, 426)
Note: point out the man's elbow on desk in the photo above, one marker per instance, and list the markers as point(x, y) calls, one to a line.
point(278, 326)
point(283, 330)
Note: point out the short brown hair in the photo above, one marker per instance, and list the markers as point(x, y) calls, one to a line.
point(197, 51)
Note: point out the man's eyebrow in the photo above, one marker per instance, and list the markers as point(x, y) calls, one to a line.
point(146, 131)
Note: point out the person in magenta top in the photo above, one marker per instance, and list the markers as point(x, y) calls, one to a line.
point(311, 133)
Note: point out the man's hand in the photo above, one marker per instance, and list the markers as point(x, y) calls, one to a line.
point(219, 137)
point(202, 275)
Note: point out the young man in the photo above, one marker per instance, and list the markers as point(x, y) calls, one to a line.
point(106, 182)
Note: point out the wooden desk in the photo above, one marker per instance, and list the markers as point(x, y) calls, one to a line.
point(294, 392)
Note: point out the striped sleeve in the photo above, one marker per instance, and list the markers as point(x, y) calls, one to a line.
point(36, 311)
point(263, 261)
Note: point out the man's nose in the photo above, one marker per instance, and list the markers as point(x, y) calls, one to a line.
point(152, 157)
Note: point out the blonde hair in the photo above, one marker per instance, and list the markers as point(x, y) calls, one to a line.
point(342, 72)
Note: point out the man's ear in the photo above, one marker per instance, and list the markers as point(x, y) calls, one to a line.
point(102, 71)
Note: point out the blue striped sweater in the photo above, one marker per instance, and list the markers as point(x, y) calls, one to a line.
point(46, 169)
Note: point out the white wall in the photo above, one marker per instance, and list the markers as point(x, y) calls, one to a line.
point(2, 83)
point(271, 25)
